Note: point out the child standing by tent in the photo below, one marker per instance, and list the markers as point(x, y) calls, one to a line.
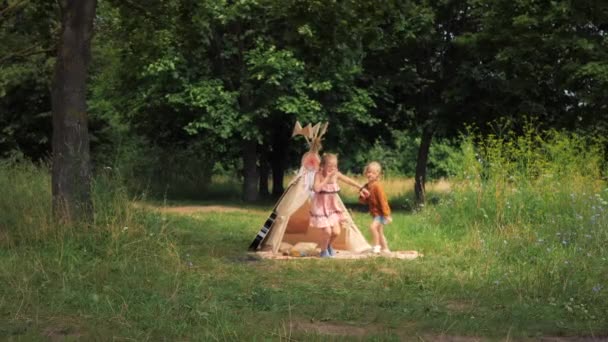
point(326, 212)
point(378, 207)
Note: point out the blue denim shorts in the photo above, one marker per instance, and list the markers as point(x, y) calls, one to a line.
point(381, 219)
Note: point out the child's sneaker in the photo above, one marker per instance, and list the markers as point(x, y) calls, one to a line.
point(331, 251)
point(376, 249)
point(324, 254)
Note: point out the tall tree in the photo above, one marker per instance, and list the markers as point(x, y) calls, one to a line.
point(414, 65)
point(71, 155)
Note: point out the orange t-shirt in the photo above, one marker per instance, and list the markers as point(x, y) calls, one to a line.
point(378, 204)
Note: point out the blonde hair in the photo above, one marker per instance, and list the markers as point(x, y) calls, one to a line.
point(328, 156)
point(374, 165)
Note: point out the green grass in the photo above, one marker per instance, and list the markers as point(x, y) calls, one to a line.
point(195, 281)
point(499, 264)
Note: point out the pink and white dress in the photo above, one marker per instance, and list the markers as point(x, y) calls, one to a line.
point(326, 210)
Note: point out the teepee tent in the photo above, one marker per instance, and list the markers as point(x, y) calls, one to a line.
point(289, 220)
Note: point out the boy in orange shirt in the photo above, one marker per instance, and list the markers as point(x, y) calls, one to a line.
point(378, 207)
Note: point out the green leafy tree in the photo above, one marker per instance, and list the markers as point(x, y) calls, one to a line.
point(543, 59)
point(27, 52)
point(415, 66)
point(238, 75)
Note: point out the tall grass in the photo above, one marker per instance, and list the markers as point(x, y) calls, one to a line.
point(515, 247)
point(531, 211)
point(25, 205)
point(105, 270)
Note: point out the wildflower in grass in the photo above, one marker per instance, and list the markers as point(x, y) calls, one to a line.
point(564, 242)
point(597, 288)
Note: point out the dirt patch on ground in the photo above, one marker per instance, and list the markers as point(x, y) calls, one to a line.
point(57, 334)
point(194, 209)
point(201, 209)
point(453, 338)
point(448, 338)
point(458, 306)
point(334, 328)
point(405, 333)
point(570, 339)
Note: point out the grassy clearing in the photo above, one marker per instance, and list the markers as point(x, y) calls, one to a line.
point(511, 251)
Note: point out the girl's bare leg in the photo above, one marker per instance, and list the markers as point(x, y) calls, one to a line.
point(382, 238)
point(326, 238)
point(373, 228)
point(335, 231)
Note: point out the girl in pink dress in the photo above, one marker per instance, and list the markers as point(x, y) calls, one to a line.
point(326, 211)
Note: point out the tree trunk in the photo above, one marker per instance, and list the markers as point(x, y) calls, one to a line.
point(278, 161)
point(278, 171)
point(264, 173)
point(250, 170)
point(421, 161)
point(71, 156)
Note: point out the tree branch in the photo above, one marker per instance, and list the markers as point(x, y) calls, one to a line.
point(14, 7)
point(30, 51)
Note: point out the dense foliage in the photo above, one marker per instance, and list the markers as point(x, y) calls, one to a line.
point(183, 89)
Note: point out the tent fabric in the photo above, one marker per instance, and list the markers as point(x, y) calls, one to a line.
point(292, 224)
point(292, 221)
